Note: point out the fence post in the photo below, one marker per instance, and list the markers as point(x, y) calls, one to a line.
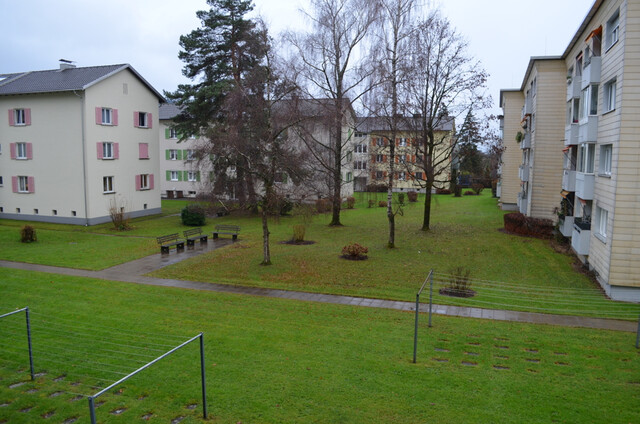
point(92, 410)
point(202, 375)
point(415, 334)
point(30, 349)
point(430, 296)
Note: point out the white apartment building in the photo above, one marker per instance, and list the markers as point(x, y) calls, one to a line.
point(77, 142)
point(598, 146)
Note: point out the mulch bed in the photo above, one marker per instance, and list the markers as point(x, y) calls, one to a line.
point(446, 291)
point(354, 258)
point(298, 243)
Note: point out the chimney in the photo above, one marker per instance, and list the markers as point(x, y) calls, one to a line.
point(66, 64)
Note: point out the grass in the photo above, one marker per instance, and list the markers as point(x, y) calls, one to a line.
point(276, 360)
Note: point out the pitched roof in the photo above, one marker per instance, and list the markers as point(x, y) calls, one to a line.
point(168, 111)
point(370, 124)
point(58, 80)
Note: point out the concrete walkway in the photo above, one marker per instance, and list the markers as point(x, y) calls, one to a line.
point(132, 272)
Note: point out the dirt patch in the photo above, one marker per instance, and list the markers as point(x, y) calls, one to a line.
point(298, 243)
point(447, 291)
point(354, 258)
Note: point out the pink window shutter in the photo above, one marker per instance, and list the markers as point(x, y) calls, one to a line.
point(100, 151)
point(12, 149)
point(149, 120)
point(136, 119)
point(14, 184)
point(114, 116)
point(143, 150)
point(29, 150)
point(12, 118)
point(138, 182)
point(31, 183)
point(27, 116)
point(116, 150)
point(151, 181)
point(99, 115)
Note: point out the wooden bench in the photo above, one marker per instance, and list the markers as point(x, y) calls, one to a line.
point(232, 230)
point(194, 234)
point(169, 240)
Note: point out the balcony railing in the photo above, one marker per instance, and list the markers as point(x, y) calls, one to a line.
point(566, 226)
point(523, 172)
point(588, 130)
point(523, 202)
point(573, 87)
point(526, 140)
point(584, 185)
point(581, 236)
point(569, 180)
point(591, 73)
point(571, 134)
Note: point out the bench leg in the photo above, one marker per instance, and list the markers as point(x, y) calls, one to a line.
point(215, 236)
point(203, 239)
point(235, 237)
point(191, 242)
point(180, 246)
point(164, 249)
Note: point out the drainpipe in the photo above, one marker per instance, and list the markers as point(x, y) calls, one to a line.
point(84, 157)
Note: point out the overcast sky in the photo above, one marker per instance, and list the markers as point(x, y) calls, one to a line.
point(503, 34)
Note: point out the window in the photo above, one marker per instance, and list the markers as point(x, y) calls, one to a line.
point(174, 175)
point(106, 116)
point(613, 30)
point(402, 176)
point(575, 116)
point(361, 148)
point(107, 151)
point(173, 133)
point(21, 150)
point(191, 155)
point(402, 158)
point(144, 182)
point(107, 184)
point(379, 175)
point(402, 142)
point(359, 164)
point(586, 157)
point(19, 117)
point(589, 101)
point(172, 154)
point(143, 150)
point(418, 175)
point(193, 176)
point(142, 120)
point(349, 156)
point(1, 182)
point(23, 184)
point(379, 158)
point(533, 122)
point(606, 153)
point(602, 216)
point(379, 141)
point(610, 96)
point(349, 177)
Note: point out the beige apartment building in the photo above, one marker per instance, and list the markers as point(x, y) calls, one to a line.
point(599, 195)
point(509, 185)
point(77, 142)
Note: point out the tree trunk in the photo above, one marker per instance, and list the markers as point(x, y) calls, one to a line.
point(392, 225)
point(266, 254)
point(337, 169)
point(426, 220)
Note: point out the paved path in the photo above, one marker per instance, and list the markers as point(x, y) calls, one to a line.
point(132, 272)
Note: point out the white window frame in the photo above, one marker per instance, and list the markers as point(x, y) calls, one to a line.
point(402, 176)
point(23, 184)
point(402, 142)
point(144, 181)
point(19, 117)
point(21, 151)
point(379, 158)
point(379, 175)
point(586, 158)
point(610, 96)
point(606, 157)
point(174, 176)
point(107, 150)
point(192, 176)
point(602, 218)
point(173, 154)
point(173, 134)
point(612, 34)
point(143, 119)
point(191, 154)
point(107, 116)
point(107, 185)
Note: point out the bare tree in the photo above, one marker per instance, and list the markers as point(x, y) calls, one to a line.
point(333, 67)
point(444, 82)
point(392, 34)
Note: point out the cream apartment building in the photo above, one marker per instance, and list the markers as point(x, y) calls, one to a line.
point(76, 142)
point(509, 185)
point(599, 194)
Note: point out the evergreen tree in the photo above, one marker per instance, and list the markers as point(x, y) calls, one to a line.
point(470, 158)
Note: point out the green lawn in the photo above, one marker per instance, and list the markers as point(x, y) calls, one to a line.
point(283, 361)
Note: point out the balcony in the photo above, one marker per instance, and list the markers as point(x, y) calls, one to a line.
point(523, 172)
point(584, 185)
point(573, 88)
point(523, 203)
point(526, 140)
point(569, 180)
point(591, 72)
point(528, 105)
point(580, 236)
point(588, 130)
point(566, 226)
point(571, 134)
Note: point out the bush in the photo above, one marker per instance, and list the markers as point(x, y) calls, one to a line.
point(351, 202)
point(412, 196)
point(355, 251)
point(520, 224)
point(401, 198)
point(28, 234)
point(299, 231)
point(457, 191)
point(469, 193)
point(459, 284)
point(376, 188)
point(477, 188)
point(285, 205)
point(382, 203)
point(443, 191)
point(323, 205)
point(119, 218)
point(193, 215)
point(372, 203)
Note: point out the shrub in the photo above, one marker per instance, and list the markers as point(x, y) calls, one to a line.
point(355, 251)
point(323, 205)
point(299, 231)
point(520, 224)
point(477, 188)
point(376, 188)
point(457, 191)
point(28, 234)
point(412, 196)
point(193, 215)
point(382, 203)
point(372, 203)
point(443, 191)
point(459, 284)
point(469, 193)
point(119, 218)
point(401, 198)
point(285, 205)
point(351, 202)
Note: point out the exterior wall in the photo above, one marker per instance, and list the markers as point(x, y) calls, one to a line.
point(126, 93)
point(512, 103)
point(183, 187)
point(625, 216)
point(546, 161)
point(56, 166)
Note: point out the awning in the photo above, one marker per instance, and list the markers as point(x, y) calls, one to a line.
point(595, 33)
point(564, 193)
point(566, 149)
